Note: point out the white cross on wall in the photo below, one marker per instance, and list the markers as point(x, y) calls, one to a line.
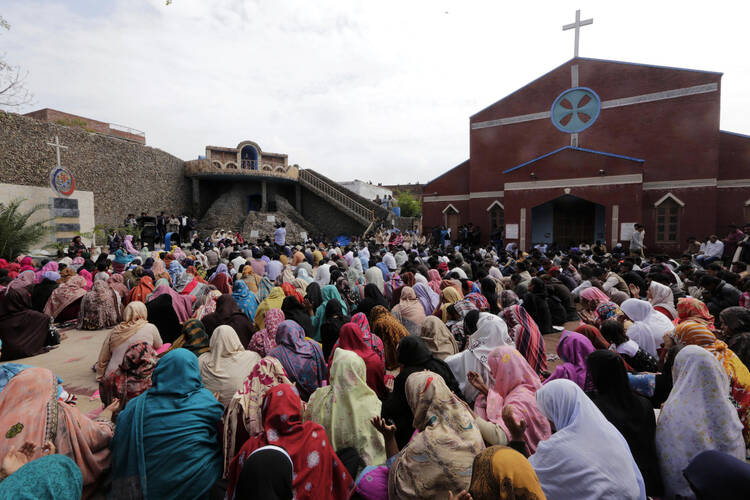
point(57, 147)
point(577, 26)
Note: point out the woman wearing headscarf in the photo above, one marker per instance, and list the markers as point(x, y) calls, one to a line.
point(439, 458)
point(714, 475)
point(662, 299)
point(273, 301)
point(175, 270)
point(649, 326)
point(162, 315)
point(323, 275)
point(693, 333)
point(221, 279)
point(434, 280)
point(228, 313)
point(54, 477)
point(141, 291)
point(572, 463)
point(245, 299)
point(182, 304)
point(41, 292)
point(527, 337)
point(427, 298)
point(132, 377)
point(267, 472)
point(630, 413)
point(390, 330)
point(635, 358)
point(291, 291)
point(697, 416)
point(23, 331)
point(175, 412)
point(194, 338)
point(243, 417)
point(318, 471)
point(31, 412)
point(499, 471)
point(117, 283)
point(591, 299)
point(100, 308)
point(594, 335)
point(329, 292)
point(352, 339)
point(64, 303)
point(414, 356)
point(372, 297)
point(298, 313)
point(491, 332)
point(226, 365)
point(515, 385)
point(409, 307)
point(573, 349)
point(333, 320)
point(264, 341)
point(374, 276)
point(535, 303)
point(438, 339)
point(692, 309)
point(345, 406)
point(251, 279)
point(302, 359)
point(448, 296)
point(314, 295)
point(489, 291)
point(133, 329)
point(368, 338)
point(735, 331)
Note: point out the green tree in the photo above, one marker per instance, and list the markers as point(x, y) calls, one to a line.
point(410, 205)
point(17, 233)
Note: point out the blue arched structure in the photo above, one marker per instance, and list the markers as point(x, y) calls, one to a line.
point(249, 157)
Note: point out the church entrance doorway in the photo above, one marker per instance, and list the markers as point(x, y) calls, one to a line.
point(452, 219)
point(567, 221)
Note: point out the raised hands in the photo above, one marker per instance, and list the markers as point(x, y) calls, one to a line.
point(476, 380)
point(516, 428)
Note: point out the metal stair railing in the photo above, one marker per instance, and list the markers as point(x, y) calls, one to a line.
point(332, 193)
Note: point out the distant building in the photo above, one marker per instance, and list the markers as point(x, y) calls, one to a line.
point(67, 119)
point(367, 190)
point(415, 189)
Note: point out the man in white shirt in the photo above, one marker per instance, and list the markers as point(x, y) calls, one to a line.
point(279, 236)
point(713, 249)
point(636, 241)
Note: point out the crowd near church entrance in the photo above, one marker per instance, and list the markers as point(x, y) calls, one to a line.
point(567, 221)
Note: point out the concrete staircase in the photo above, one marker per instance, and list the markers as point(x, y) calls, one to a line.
point(355, 206)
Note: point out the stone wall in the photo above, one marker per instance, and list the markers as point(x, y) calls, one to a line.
point(124, 176)
point(329, 219)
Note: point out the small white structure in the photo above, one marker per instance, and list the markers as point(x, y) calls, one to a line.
point(366, 189)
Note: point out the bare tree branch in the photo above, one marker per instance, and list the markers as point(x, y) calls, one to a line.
point(13, 91)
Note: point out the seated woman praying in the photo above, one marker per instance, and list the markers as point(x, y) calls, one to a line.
point(64, 303)
point(134, 329)
point(165, 444)
point(573, 350)
point(302, 359)
point(638, 359)
point(318, 471)
point(100, 308)
point(132, 377)
point(227, 364)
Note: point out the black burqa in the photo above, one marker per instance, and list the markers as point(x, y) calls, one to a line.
point(314, 295)
point(296, 312)
point(40, 294)
point(23, 331)
point(162, 315)
point(414, 355)
point(535, 303)
point(266, 474)
point(372, 298)
point(630, 413)
point(489, 290)
point(333, 319)
point(714, 475)
point(229, 313)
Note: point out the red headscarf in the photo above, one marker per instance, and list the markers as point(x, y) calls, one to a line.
point(289, 290)
point(351, 338)
point(318, 471)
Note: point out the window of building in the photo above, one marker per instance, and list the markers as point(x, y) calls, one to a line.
point(667, 221)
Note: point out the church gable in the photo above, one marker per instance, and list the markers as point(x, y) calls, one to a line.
point(570, 162)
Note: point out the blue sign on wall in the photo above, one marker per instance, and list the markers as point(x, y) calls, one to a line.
point(575, 110)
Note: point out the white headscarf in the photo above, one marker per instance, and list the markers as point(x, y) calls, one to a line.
point(226, 366)
point(649, 326)
point(375, 275)
point(662, 296)
point(697, 416)
point(586, 457)
point(400, 258)
point(491, 332)
point(323, 275)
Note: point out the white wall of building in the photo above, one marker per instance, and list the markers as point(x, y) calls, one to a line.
point(366, 190)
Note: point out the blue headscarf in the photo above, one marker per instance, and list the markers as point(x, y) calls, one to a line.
point(246, 299)
point(176, 413)
point(54, 477)
point(175, 270)
point(122, 258)
point(384, 269)
point(329, 292)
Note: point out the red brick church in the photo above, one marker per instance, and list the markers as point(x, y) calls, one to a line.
point(594, 146)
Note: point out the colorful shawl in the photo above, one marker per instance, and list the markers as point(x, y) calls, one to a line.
point(291, 291)
point(100, 308)
point(429, 299)
point(352, 339)
point(132, 377)
point(692, 309)
point(434, 280)
point(318, 471)
point(193, 338)
point(264, 340)
point(302, 359)
point(141, 291)
point(245, 299)
point(525, 332)
point(272, 301)
point(182, 304)
point(515, 384)
point(391, 331)
point(328, 292)
point(245, 406)
point(344, 408)
point(64, 295)
point(409, 307)
point(500, 472)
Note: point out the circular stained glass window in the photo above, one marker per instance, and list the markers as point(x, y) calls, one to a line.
point(575, 110)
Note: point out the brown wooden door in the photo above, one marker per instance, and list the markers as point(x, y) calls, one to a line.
point(452, 222)
point(573, 221)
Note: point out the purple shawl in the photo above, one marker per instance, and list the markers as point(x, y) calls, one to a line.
point(302, 359)
point(573, 349)
point(427, 297)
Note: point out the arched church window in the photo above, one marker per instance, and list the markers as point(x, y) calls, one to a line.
point(667, 220)
point(497, 218)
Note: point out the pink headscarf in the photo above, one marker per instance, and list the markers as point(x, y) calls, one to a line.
point(515, 384)
point(593, 293)
point(89, 279)
point(49, 266)
point(27, 264)
point(129, 245)
point(434, 276)
point(182, 304)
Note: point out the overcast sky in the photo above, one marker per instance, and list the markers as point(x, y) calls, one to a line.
point(377, 90)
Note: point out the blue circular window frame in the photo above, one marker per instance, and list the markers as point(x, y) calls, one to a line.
point(590, 122)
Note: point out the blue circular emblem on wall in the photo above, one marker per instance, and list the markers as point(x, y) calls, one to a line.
point(62, 181)
point(575, 110)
